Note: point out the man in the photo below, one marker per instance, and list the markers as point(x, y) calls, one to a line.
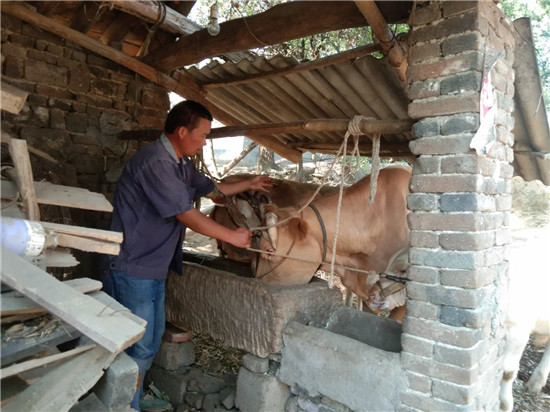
point(153, 206)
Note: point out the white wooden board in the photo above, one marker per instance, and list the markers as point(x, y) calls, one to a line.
point(110, 329)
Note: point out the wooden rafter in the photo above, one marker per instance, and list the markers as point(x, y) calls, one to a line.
point(120, 26)
point(278, 24)
point(181, 83)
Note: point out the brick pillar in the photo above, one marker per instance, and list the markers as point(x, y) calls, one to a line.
point(460, 203)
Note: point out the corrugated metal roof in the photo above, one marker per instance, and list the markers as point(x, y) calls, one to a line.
point(364, 86)
point(531, 132)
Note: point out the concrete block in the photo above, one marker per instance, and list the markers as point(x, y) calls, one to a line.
point(260, 392)
point(314, 359)
point(204, 300)
point(172, 356)
point(117, 386)
point(255, 364)
point(90, 403)
point(172, 383)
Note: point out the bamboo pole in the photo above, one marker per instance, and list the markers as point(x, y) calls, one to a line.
point(386, 37)
point(237, 159)
point(367, 126)
point(151, 11)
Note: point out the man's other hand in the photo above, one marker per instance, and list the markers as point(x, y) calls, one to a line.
point(261, 183)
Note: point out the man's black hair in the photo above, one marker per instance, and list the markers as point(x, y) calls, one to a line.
point(187, 114)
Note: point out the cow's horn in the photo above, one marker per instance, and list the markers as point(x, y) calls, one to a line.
point(271, 220)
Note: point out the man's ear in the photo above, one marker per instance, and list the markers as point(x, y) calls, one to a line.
point(298, 228)
point(182, 131)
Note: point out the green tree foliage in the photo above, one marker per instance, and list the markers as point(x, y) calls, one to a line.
point(539, 13)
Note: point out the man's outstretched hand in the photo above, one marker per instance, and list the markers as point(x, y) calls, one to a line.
point(261, 183)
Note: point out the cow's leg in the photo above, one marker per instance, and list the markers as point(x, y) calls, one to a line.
point(539, 376)
point(516, 340)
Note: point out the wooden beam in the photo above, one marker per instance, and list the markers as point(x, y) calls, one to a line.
point(365, 147)
point(12, 98)
point(314, 125)
point(337, 58)
point(181, 83)
point(280, 23)
point(23, 176)
point(100, 323)
point(381, 31)
point(38, 363)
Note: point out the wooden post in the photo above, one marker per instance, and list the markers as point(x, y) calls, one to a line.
point(23, 174)
point(386, 37)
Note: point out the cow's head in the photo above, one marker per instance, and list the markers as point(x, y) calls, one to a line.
point(397, 266)
point(292, 238)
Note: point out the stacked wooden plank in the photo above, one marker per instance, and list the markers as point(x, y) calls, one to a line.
point(106, 328)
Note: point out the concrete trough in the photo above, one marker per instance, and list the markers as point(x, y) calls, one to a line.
point(353, 373)
point(244, 312)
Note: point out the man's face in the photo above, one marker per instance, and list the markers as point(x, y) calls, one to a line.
point(192, 142)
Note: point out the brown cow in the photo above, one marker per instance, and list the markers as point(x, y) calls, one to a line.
point(368, 234)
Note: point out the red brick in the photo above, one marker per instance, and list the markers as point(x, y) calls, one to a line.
point(444, 105)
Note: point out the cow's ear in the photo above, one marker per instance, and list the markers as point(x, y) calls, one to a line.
point(299, 228)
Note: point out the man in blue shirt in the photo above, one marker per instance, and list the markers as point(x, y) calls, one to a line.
point(153, 206)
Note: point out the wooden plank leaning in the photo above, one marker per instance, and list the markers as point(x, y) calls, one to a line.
point(49, 194)
point(13, 303)
point(105, 326)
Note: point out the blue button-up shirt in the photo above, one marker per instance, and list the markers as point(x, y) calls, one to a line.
point(154, 187)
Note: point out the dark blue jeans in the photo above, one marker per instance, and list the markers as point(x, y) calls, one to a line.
point(145, 298)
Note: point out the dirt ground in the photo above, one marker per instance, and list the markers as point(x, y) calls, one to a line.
point(530, 219)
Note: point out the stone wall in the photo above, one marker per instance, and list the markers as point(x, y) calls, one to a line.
point(460, 203)
point(78, 103)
